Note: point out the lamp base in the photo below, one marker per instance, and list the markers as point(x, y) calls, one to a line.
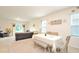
point(45, 34)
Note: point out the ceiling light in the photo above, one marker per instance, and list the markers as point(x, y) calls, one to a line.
point(19, 19)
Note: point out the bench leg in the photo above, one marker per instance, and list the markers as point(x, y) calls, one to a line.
point(50, 49)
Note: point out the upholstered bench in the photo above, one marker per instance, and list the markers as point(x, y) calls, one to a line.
point(42, 44)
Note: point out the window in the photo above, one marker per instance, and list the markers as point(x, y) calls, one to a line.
point(75, 24)
point(19, 27)
point(43, 26)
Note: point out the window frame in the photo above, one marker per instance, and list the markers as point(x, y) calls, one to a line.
point(74, 25)
point(43, 27)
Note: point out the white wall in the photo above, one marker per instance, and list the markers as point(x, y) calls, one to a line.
point(9, 23)
point(37, 23)
point(64, 28)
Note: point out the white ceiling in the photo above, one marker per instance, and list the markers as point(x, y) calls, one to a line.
point(24, 13)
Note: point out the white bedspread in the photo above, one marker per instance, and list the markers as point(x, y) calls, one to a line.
point(47, 38)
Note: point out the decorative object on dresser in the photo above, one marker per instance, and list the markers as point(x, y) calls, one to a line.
point(13, 25)
point(23, 27)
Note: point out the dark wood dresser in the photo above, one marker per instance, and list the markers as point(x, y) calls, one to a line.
point(21, 36)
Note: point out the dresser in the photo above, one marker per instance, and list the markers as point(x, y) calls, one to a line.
point(21, 36)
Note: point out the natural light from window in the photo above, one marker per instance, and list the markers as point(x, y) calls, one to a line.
point(43, 26)
point(75, 24)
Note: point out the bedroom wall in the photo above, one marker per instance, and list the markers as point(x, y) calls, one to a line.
point(64, 28)
point(37, 23)
point(9, 23)
point(64, 15)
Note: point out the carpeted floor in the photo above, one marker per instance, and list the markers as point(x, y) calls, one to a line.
point(21, 46)
point(25, 46)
